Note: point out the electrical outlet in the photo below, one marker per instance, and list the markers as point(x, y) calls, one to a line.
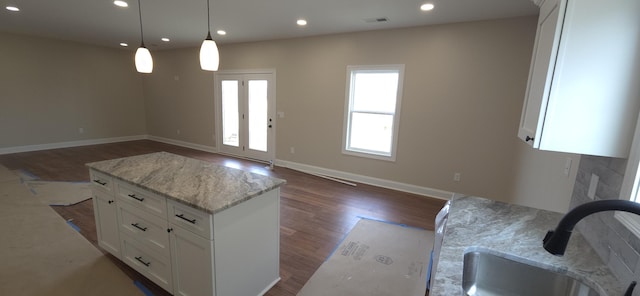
point(593, 185)
point(456, 177)
point(178, 132)
point(81, 130)
point(292, 150)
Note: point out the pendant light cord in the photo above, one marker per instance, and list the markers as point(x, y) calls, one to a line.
point(208, 18)
point(140, 14)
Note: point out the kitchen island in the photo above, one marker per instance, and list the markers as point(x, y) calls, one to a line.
point(514, 232)
point(192, 227)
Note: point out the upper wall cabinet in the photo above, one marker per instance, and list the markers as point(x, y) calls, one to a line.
point(583, 92)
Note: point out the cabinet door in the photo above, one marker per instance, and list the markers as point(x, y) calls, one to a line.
point(105, 212)
point(541, 73)
point(192, 261)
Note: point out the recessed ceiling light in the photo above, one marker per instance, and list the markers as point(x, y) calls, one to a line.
point(301, 22)
point(12, 8)
point(165, 39)
point(427, 7)
point(221, 32)
point(121, 3)
point(123, 44)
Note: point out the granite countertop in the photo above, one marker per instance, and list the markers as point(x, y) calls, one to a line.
point(515, 232)
point(203, 185)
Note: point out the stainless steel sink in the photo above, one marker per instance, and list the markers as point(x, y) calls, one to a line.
point(486, 274)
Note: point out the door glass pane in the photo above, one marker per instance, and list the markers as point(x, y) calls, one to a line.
point(371, 132)
point(258, 119)
point(230, 122)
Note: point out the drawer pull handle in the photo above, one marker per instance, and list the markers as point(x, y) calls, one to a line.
point(140, 199)
point(100, 182)
point(142, 261)
point(181, 216)
point(136, 225)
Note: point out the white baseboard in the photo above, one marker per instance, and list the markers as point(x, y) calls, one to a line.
point(27, 148)
point(419, 190)
point(183, 144)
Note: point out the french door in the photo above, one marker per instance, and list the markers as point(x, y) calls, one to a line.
point(245, 103)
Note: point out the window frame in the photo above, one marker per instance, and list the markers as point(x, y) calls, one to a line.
point(630, 189)
point(351, 70)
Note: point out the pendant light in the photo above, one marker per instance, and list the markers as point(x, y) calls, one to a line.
point(209, 55)
point(144, 62)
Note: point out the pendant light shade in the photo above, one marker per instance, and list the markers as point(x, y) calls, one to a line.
point(144, 62)
point(209, 55)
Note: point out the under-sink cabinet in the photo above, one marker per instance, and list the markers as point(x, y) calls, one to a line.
point(185, 250)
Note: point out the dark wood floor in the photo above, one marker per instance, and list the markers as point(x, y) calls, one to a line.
point(315, 213)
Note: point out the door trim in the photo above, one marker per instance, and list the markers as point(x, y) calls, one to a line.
point(272, 113)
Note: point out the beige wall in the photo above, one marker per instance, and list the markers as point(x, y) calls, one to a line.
point(179, 96)
point(52, 88)
point(463, 92)
point(539, 179)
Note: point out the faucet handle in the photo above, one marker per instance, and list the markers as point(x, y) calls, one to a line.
point(629, 291)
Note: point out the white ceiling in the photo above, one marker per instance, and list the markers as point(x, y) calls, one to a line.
point(102, 23)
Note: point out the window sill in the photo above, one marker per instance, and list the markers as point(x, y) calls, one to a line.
point(631, 221)
point(390, 158)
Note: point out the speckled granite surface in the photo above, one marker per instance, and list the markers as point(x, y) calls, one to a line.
point(515, 232)
point(197, 183)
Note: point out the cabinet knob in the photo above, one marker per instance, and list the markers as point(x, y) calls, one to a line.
point(110, 202)
point(169, 229)
point(528, 139)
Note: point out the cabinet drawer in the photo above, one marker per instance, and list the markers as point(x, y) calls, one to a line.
point(154, 267)
point(196, 221)
point(142, 199)
point(101, 181)
point(144, 227)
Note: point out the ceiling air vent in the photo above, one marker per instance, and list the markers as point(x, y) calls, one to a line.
point(376, 20)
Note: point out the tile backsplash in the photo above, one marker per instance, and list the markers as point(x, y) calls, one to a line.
point(615, 244)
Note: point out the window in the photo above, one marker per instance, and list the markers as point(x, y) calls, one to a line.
point(372, 110)
point(631, 184)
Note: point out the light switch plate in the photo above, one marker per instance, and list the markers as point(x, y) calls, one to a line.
point(567, 167)
point(592, 186)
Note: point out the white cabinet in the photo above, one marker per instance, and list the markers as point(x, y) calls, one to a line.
point(582, 95)
point(104, 207)
point(187, 251)
point(152, 265)
point(192, 263)
point(105, 215)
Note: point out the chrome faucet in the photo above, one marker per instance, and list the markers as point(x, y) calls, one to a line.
point(555, 242)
